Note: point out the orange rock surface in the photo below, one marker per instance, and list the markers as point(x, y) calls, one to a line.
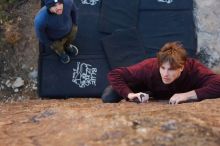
point(89, 122)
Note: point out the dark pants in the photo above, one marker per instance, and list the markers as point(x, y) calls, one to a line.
point(110, 96)
point(59, 46)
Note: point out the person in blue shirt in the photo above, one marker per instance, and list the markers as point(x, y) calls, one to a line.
point(56, 27)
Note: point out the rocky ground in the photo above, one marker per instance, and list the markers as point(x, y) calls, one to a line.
point(18, 50)
point(89, 122)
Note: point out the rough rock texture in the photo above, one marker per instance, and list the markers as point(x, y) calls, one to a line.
point(88, 122)
point(208, 31)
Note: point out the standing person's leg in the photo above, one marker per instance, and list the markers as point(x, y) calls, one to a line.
point(58, 47)
point(110, 96)
point(69, 47)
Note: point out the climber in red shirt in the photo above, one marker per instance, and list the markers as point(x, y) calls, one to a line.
point(170, 76)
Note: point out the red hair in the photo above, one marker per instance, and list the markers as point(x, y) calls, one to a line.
point(174, 53)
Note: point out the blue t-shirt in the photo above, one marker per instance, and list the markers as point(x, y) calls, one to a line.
point(50, 27)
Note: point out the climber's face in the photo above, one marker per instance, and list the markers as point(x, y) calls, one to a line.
point(57, 9)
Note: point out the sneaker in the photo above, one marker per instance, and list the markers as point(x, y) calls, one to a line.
point(64, 58)
point(72, 49)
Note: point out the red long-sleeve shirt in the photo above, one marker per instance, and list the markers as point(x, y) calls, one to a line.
point(145, 76)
